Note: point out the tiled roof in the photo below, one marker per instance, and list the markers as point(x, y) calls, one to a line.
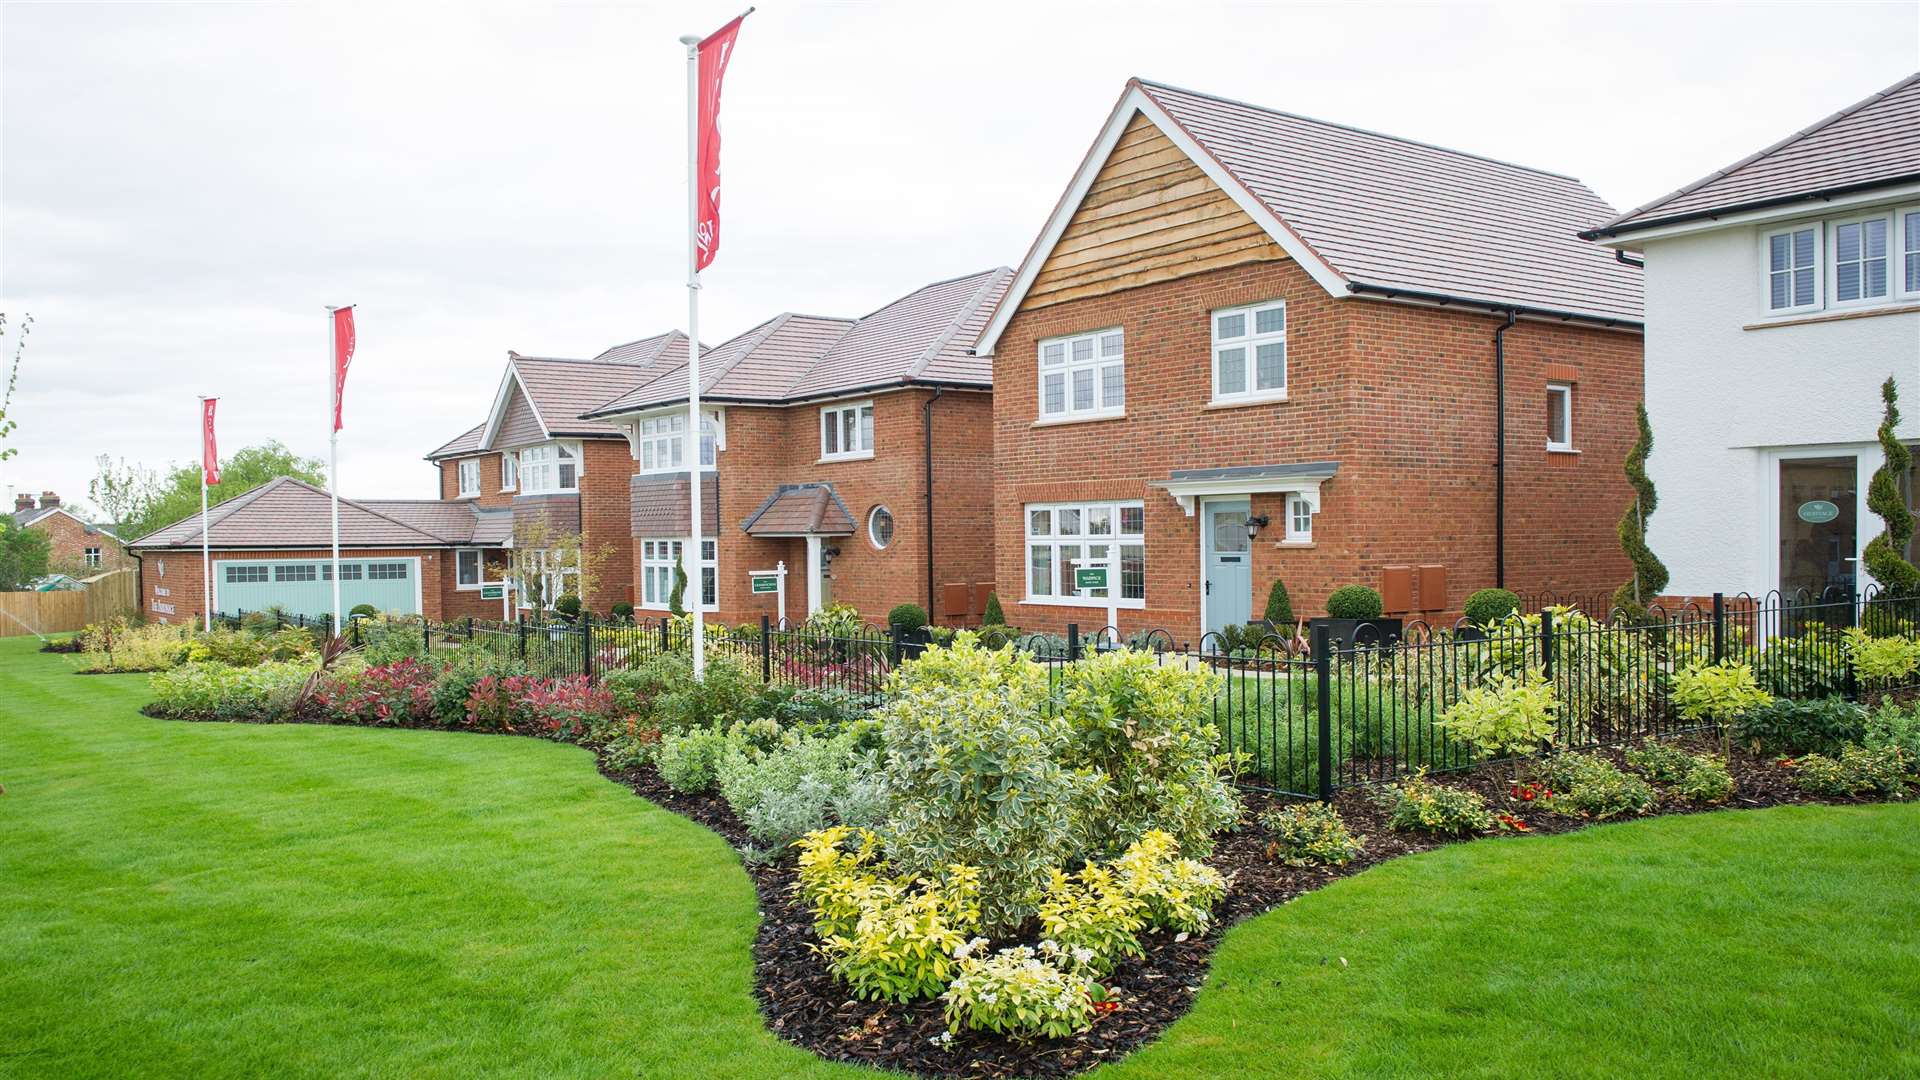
point(1866, 144)
point(800, 508)
point(1391, 214)
point(924, 336)
point(648, 351)
point(464, 443)
point(289, 513)
point(659, 503)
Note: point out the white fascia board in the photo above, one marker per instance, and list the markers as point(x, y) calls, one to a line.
point(1799, 208)
point(498, 414)
point(1188, 492)
point(1136, 100)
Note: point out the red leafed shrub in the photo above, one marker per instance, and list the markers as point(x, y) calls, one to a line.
point(500, 703)
point(569, 707)
point(398, 694)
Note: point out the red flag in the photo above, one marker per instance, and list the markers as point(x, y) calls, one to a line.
point(209, 454)
point(342, 356)
point(715, 51)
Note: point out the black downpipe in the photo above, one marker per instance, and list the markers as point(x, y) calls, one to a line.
point(926, 426)
point(1625, 259)
point(1500, 450)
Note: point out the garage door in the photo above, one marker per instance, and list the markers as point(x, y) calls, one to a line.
point(305, 586)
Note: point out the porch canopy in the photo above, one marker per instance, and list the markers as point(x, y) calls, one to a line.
point(1188, 486)
point(800, 510)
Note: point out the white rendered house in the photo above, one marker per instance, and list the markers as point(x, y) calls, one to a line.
point(1780, 293)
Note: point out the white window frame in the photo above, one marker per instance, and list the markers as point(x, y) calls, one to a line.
point(509, 470)
point(1251, 342)
point(479, 569)
point(658, 555)
point(540, 468)
point(92, 557)
point(1299, 523)
point(1819, 269)
point(1097, 362)
point(660, 444)
point(893, 522)
point(1054, 540)
point(863, 430)
point(1893, 258)
point(1900, 289)
point(468, 469)
point(1565, 392)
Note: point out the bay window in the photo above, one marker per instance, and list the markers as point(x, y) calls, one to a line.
point(659, 557)
point(550, 468)
point(1250, 352)
point(1064, 537)
point(846, 431)
point(1083, 376)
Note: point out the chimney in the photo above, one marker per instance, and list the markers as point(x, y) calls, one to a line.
point(23, 501)
point(48, 500)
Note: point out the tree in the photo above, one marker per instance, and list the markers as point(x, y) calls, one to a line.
point(177, 495)
point(542, 554)
point(122, 491)
point(677, 603)
point(7, 423)
point(1279, 606)
point(23, 555)
point(1886, 554)
point(1649, 573)
point(993, 616)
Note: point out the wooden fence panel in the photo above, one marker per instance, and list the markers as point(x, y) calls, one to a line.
point(116, 592)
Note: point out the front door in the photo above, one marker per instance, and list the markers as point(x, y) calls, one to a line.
point(1227, 556)
point(1818, 535)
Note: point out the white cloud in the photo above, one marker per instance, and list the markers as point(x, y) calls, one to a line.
point(183, 187)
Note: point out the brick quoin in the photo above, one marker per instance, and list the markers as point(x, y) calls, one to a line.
point(1401, 396)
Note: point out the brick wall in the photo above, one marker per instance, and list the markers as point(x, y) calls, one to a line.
point(68, 540)
point(1400, 396)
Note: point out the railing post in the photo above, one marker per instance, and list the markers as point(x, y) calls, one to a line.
point(1546, 643)
point(666, 633)
point(520, 620)
point(426, 633)
point(1323, 677)
point(766, 648)
point(1719, 627)
point(893, 645)
point(1073, 641)
point(586, 643)
point(469, 628)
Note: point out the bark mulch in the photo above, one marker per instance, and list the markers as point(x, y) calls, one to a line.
point(804, 1004)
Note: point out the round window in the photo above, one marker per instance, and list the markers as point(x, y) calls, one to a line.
point(880, 526)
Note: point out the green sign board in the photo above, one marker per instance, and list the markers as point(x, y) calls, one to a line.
point(1818, 511)
point(1090, 577)
point(766, 583)
point(492, 592)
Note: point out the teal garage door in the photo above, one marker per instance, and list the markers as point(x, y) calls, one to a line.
point(305, 586)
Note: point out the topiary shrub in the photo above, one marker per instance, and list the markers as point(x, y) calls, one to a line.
point(993, 617)
point(1649, 573)
point(677, 599)
point(1884, 558)
point(567, 607)
point(1354, 602)
point(1489, 606)
point(1279, 611)
point(907, 618)
point(622, 611)
point(365, 611)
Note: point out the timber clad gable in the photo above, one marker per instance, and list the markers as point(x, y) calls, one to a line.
point(1150, 215)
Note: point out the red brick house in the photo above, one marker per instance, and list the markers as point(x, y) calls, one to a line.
point(1250, 345)
point(75, 546)
point(535, 453)
point(855, 452)
point(272, 547)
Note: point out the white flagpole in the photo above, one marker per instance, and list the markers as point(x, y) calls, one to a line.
point(206, 548)
point(333, 452)
point(693, 355)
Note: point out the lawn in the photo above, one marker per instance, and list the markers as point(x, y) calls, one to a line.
point(214, 900)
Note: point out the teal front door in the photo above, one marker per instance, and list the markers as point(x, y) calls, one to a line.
point(1227, 558)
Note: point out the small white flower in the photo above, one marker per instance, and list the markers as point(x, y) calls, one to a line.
point(1082, 955)
point(943, 1040)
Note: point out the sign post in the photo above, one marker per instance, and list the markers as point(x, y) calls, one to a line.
point(502, 591)
point(773, 581)
point(1090, 574)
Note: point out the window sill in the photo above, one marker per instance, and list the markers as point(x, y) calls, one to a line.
point(1297, 545)
point(1551, 449)
point(466, 588)
point(1246, 402)
point(1905, 308)
point(469, 497)
point(1089, 603)
point(828, 459)
point(1063, 421)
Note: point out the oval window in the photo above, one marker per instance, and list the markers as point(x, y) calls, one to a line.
point(880, 527)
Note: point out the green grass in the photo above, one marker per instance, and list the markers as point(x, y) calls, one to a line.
point(209, 900)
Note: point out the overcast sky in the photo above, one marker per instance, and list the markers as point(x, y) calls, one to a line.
point(183, 187)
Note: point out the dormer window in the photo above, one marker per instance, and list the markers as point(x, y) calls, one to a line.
point(469, 478)
point(550, 469)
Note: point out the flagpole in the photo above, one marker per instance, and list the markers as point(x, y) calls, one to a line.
point(333, 451)
point(694, 515)
point(206, 548)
